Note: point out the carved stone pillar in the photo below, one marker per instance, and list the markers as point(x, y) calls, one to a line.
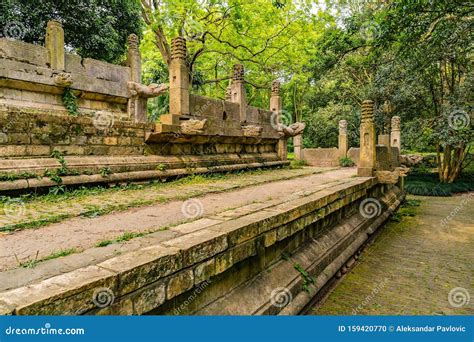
point(383, 139)
point(298, 145)
point(367, 156)
point(179, 78)
point(275, 101)
point(238, 91)
point(276, 107)
point(137, 106)
point(134, 59)
point(395, 136)
point(282, 148)
point(228, 93)
point(343, 145)
point(55, 45)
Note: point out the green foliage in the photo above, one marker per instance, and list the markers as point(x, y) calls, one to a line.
point(161, 167)
point(323, 125)
point(407, 209)
point(10, 177)
point(32, 263)
point(69, 100)
point(126, 236)
point(346, 162)
point(298, 164)
point(272, 40)
point(427, 184)
point(59, 189)
point(95, 28)
point(307, 279)
point(158, 106)
point(105, 171)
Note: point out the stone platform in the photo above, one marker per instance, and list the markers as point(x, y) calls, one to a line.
point(217, 259)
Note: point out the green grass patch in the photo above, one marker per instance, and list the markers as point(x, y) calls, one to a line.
point(126, 236)
point(407, 209)
point(346, 162)
point(35, 223)
point(31, 263)
point(298, 164)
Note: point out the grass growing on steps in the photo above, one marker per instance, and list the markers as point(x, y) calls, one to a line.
point(126, 236)
point(42, 210)
point(31, 263)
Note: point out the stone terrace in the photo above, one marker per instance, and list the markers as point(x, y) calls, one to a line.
point(157, 220)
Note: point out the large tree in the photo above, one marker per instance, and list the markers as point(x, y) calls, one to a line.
point(434, 41)
point(273, 39)
point(93, 28)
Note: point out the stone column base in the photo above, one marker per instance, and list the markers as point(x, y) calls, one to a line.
point(365, 172)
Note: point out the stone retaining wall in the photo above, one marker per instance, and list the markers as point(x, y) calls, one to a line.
point(322, 157)
point(27, 79)
point(31, 133)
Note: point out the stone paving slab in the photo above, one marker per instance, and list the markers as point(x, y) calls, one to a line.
point(420, 266)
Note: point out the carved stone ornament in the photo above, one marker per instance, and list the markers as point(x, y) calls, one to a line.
point(140, 90)
point(395, 123)
point(193, 126)
point(63, 79)
point(275, 88)
point(132, 41)
point(252, 131)
point(293, 129)
point(343, 127)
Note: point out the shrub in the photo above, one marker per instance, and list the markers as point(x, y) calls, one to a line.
point(346, 162)
point(427, 184)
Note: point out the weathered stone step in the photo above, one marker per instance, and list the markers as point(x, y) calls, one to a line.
point(283, 281)
point(162, 275)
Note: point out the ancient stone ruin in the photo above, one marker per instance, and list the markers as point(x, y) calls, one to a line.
point(377, 156)
point(92, 117)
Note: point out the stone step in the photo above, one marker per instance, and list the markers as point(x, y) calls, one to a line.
point(174, 266)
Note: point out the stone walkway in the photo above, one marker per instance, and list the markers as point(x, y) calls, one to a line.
point(214, 196)
point(422, 265)
point(41, 210)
